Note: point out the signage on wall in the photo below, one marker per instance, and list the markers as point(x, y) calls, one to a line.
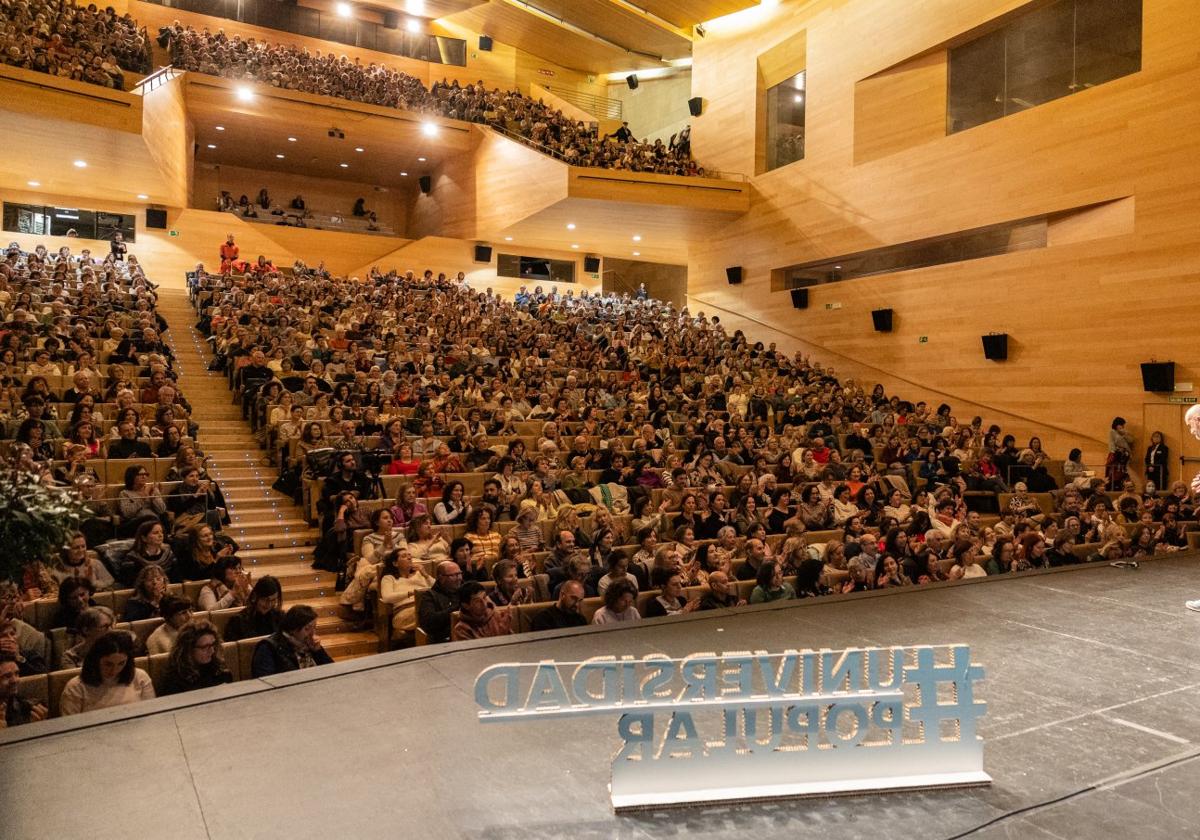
point(752, 726)
point(1183, 400)
point(545, 71)
point(174, 232)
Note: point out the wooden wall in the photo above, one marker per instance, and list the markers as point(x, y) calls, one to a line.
point(1081, 314)
point(169, 136)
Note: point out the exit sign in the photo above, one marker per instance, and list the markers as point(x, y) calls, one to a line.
point(923, 339)
point(1183, 400)
point(174, 233)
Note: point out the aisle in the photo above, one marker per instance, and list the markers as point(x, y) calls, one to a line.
point(270, 529)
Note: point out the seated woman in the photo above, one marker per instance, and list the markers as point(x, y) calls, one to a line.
point(93, 623)
point(141, 501)
point(403, 461)
point(484, 539)
point(399, 581)
point(202, 548)
point(407, 506)
point(176, 613)
point(30, 658)
point(74, 596)
point(33, 434)
point(428, 548)
point(109, 677)
point(292, 647)
point(197, 660)
point(261, 615)
point(150, 549)
point(618, 604)
point(671, 601)
point(453, 509)
point(76, 561)
point(148, 592)
point(193, 501)
point(76, 467)
point(770, 585)
point(383, 540)
point(229, 587)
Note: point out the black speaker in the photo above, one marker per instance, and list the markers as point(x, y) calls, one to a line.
point(483, 253)
point(734, 274)
point(882, 319)
point(800, 298)
point(591, 265)
point(696, 105)
point(1158, 377)
point(995, 347)
point(485, 43)
point(632, 81)
point(156, 219)
point(426, 184)
point(391, 19)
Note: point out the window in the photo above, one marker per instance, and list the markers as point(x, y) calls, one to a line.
point(785, 121)
point(1045, 54)
point(535, 268)
point(61, 221)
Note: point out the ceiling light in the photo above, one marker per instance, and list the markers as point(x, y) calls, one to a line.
point(359, 149)
point(637, 253)
point(413, 25)
point(574, 246)
point(344, 165)
point(279, 156)
point(421, 160)
point(429, 129)
point(838, 267)
point(81, 164)
point(508, 239)
point(34, 183)
point(210, 145)
point(403, 174)
point(244, 94)
point(637, 237)
point(143, 196)
point(291, 139)
point(798, 98)
point(345, 10)
point(570, 226)
point(414, 7)
point(220, 127)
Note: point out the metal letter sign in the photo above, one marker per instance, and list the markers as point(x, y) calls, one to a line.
point(756, 725)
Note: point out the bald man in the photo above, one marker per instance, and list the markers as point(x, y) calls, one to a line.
point(436, 605)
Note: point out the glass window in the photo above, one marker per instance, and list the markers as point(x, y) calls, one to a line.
point(65, 221)
point(1043, 55)
point(785, 121)
point(535, 268)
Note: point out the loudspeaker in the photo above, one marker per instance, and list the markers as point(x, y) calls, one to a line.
point(882, 319)
point(591, 265)
point(995, 347)
point(485, 43)
point(696, 105)
point(1158, 377)
point(483, 253)
point(391, 19)
point(800, 298)
point(734, 274)
point(632, 81)
point(156, 219)
point(426, 184)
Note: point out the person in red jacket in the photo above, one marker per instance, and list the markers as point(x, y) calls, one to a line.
point(229, 253)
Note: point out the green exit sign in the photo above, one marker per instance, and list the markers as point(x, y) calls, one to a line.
point(174, 233)
point(923, 339)
point(1182, 400)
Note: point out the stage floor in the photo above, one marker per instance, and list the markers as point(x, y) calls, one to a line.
point(1093, 693)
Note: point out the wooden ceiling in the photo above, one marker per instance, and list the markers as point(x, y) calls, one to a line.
point(625, 39)
point(255, 132)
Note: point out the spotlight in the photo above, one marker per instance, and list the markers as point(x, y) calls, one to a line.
point(291, 139)
point(345, 10)
point(429, 129)
point(344, 165)
point(143, 196)
point(81, 164)
point(413, 25)
point(245, 94)
point(34, 183)
point(220, 127)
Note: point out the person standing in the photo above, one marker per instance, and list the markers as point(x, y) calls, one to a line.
point(1157, 468)
point(1120, 447)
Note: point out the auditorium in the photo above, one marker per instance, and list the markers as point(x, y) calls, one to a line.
point(702, 417)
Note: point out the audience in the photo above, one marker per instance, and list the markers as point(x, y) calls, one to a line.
point(109, 677)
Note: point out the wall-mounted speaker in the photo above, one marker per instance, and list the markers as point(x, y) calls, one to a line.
point(995, 347)
point(591, 265)
point(882, 318)
point(1158, 377)
point(483, 253)
point(696, 106)
point(485, 43)
point(391, 19)
point(632, 81)
point(733, 274)
point(800, 298)
point(156, 219)
point(426, 184)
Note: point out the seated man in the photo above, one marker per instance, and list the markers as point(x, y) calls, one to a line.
point(16, 709)
point(293, 646)
point(565, 612)
point(478, 617)
point(440, 601)
point(720, 593)
point(30, 660)
point(128, 446)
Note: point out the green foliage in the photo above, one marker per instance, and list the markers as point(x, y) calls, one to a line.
point(36, 519)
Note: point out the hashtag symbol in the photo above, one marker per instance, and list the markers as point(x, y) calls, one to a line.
point(963, 710)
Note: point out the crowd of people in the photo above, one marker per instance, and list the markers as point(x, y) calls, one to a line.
point(294, 68)
point(83, 43)
point(667, 454)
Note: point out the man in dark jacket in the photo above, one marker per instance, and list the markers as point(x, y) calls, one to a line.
point(128, 446)
point(439, 602)
point(564, 613)
point(294, 646)
point(16, 710)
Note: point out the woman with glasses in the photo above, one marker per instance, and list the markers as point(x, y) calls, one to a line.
point(196, 661)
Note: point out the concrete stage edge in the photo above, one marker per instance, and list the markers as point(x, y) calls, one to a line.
point(1093, 689)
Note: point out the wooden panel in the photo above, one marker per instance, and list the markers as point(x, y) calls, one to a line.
point(168, 135)
point(902, 107)
point(39, 94)
point(691, 12)
point(621, 25)
point(1081, 315)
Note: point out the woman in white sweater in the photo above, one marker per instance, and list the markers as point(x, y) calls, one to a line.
point(399, 581)
point(108, 679)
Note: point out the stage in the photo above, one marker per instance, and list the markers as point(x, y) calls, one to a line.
point(1092, 685)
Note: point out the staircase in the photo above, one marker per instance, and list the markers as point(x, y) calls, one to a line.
point(270, 529)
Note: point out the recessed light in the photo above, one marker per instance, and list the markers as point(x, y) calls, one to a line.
point(429, 129)
point(345, 10)
point(291, 139)
point(837, 268)
point(403, 174)
point(220, 128)
point(570, 226)
point(279, 156)
point(413, 25)
point(143, 196)
point(81, 164)
point(508, 239)
point(637, 253)
point(344, 165)
point(359, 149)
point(574, 246)
point(212, 145)
point(244, 93)
point(34, 183)
point(637, 237)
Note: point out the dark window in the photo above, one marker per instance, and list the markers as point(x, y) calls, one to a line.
point(535, 268)
point(1042, 55)
point(41, 220)
point(785, 121)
